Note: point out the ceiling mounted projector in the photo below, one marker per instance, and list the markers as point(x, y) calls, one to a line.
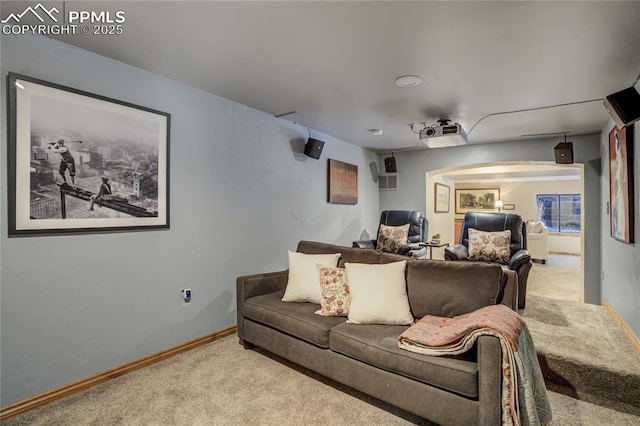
point(443, 135)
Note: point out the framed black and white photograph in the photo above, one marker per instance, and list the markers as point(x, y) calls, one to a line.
point(477, 200)
point(83, 163)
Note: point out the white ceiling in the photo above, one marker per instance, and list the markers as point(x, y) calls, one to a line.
point(335, 63)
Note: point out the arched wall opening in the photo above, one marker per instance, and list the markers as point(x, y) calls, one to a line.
point(519, 182)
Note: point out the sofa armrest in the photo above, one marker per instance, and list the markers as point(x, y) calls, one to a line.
point(511, 289)
point(254, 285)
point(369, 244)
point(457, 252)
point(519, 258)
point(489, 380)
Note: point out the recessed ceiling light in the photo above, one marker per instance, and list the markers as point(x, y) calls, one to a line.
point(408, 81)
point(376, 132)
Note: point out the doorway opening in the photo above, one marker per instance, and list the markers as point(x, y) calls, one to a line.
point(517, 185)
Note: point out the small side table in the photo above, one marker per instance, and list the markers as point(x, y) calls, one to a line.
point(431, 246)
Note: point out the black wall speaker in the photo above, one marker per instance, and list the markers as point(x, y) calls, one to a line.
point(313, 148)
point(624, 107)
point(564, 153)
point(390, 165)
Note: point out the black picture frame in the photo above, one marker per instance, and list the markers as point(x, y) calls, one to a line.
point(79, 162)
point(476, 199)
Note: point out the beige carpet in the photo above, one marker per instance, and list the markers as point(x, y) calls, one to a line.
point(560, 278)
point(223, 384)
point(582, 351)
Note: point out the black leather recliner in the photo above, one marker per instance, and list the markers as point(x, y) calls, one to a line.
point(520, 260)
point(417, 231)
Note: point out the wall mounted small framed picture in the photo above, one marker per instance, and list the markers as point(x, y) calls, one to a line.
point(442, 194)
point(508, 207)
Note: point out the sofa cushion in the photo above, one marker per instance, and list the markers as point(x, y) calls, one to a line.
point(378, 293)
point(349, 254)
point(390, 257)
point(377, 345)
point(304, 280)
point(296, 319)
point(448, 289)
point(358, 255)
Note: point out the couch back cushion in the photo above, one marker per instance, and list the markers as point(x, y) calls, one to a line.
point(349, 254)
point(358, 255)
point(448, 289)
point(390, 257)
point(434, 287)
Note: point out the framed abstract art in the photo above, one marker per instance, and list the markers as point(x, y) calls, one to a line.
point(621, 175)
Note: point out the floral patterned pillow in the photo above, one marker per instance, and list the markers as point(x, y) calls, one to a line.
point(391, 238)
point(336, 297)
point(490, 246)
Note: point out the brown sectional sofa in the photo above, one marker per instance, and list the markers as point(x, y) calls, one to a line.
point(456, 390)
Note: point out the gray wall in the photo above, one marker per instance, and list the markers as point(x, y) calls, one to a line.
point(620, 261)
point(412, 166)
point(241, 196)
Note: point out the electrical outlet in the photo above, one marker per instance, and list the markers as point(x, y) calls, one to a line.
point(186, 295)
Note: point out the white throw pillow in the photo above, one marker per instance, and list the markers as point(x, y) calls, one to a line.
point(378, 294)
point(304, 280)
point(537, 228)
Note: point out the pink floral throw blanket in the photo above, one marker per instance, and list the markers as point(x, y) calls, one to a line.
point(524, 395)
